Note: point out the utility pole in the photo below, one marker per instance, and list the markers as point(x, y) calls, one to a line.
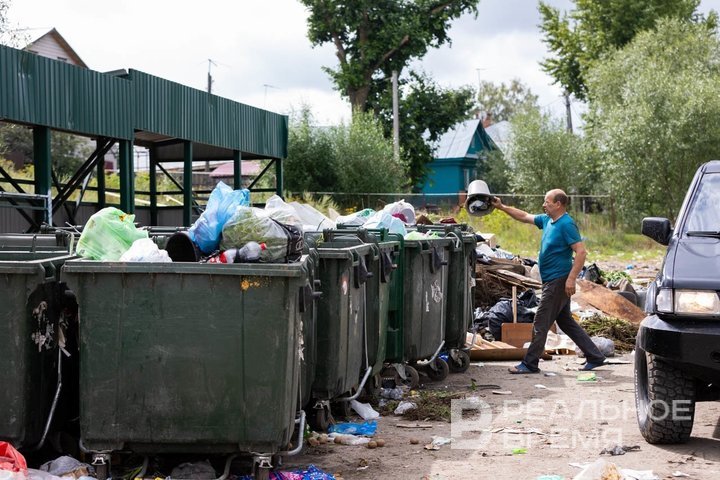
point(396, 117)
point(568, 112)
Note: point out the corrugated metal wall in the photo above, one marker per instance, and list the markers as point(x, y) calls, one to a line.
point(171, 109)
point(41, 91)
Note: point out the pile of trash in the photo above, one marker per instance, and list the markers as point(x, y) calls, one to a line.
point(229, 230)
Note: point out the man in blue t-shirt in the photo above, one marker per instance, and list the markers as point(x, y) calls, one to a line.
point(558, 272)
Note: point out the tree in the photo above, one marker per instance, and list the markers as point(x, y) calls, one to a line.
point(655, 116)
point(543, 155)
point(8, 35)
point(426, 112)
point(374, 37)
point(503, 101)
point(310, 165)
point(582, 37)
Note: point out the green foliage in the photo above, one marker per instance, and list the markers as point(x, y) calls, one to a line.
point(68, 151)
point(502, 101)
point(375, 37)
point(311, 163)
point(364, 157)
point(655, 116)
point(426, 112)
point(9, 35)
point(581, 38)
point(543, 156)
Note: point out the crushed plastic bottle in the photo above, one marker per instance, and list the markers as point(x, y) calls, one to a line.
point(248, 253)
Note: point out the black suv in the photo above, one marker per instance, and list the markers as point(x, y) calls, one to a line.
point(677, 354)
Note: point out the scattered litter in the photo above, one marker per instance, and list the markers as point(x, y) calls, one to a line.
point(309, 473)
point(502, 392)
point(519, 451)
point(542, 387)
point(587, 377)
point(550, 477)
point(365, 428)
point(620, 450)
point(550, 374)
point(638, 474)
point(392, 393)
point(11, 460)
point(617, 361)
point(680, 474)
point(413, 425)
point(364, 410)
point(437, 442)
point(519, 431)
point(605, 470)
point(346, 439)
point(405, 407)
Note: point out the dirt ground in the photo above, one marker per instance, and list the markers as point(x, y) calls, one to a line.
point(557, 420)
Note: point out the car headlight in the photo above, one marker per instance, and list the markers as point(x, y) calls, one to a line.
point(699, 302)
point(688, 302)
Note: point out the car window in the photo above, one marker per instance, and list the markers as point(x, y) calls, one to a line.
point(704, 214)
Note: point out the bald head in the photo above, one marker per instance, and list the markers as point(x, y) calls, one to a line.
point(558, 196)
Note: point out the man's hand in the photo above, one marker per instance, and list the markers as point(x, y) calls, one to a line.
point(570, 287)
point(497, 203)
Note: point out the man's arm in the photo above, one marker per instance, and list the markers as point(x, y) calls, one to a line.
point(515, 213)
point(578, 262)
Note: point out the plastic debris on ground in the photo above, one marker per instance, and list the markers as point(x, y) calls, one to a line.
point(221, 205)
point(347, 439)
point(620, 450)
point(365, 428)
point(364, 410)
point(519, 451)
point(437, 442)
point(108, 234)
point(145, 250)
point(309, 473)
point(587, 377)
point(392, 393)
point(68, 467)
point(605, 345)
point(603, 469)
point(405, 407)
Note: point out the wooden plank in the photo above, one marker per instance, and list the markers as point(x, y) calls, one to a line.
point(608, 302)
point(516, 334)
point(530, 282)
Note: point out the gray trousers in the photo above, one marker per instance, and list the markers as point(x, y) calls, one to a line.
point(555, 307)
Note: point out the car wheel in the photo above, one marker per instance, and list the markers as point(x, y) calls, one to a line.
point(664, 400)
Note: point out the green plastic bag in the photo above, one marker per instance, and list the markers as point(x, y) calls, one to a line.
point(108, 234)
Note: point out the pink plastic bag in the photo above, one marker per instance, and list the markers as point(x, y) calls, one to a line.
point(11, 459)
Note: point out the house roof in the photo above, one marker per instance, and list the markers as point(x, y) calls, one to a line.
point(500, 133)
point(457, 142)
point(55, 35)
point(249, 168)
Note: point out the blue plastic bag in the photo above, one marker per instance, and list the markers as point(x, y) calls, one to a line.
point(223, 201)
point(366, 428)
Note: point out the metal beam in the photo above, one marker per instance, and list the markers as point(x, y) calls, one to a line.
point(100, 180)
point(260, 175)
point(153, 187)
point(81, 172)
point(42, 164)
point(237, 169)
point(187, 183)
point(278, 177)
point(127, 177)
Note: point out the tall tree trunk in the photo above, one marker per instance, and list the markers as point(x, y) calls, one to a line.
point(359, 98)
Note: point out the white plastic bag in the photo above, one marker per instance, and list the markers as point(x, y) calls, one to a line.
point(145, 250)
point(402, 209)
point(383, 219)
point(364, 410)
point(605, 345)
point(283, 212)
point(355, 219)
point(312, 219)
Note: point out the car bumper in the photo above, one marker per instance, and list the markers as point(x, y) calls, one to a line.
point(691, 344)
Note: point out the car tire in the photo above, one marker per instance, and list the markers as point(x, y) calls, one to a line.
point(664, 400)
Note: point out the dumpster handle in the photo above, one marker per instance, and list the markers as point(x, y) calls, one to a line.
point(432, 359)
point(359, 389)
point(54, 403)
point(458, 240)
point(226, 471)
point(301, 436)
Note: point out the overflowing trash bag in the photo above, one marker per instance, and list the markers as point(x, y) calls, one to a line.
point(145, 250)
point(223, 201)
point(502, 312)
point(283, 243)
point(108, 234)
point(592, 274)
point(383, 219)
point(401, 210)
point(356, 219)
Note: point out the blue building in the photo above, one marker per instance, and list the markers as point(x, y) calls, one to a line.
point(457, 156)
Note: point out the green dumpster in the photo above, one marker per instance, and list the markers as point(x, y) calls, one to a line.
point(340, 327)
point(381, 264)
point(461, 281)
point(190, 357)
point(39, 355)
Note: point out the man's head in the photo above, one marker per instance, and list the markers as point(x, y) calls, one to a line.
point(555, 203)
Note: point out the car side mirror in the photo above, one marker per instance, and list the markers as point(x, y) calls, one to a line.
point(658, 229)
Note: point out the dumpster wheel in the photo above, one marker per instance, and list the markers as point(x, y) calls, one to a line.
point(438, 370)
point(461, 364)
point(322, 418)
point(412, 380)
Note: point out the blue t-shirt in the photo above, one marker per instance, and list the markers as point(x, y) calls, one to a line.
point(556, 256)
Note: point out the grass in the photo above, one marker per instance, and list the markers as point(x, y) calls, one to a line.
point(431, 405)
point(602, 242)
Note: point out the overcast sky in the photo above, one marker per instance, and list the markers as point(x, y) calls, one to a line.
point(261, 52)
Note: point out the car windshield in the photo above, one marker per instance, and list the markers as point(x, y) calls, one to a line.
point(704, 214)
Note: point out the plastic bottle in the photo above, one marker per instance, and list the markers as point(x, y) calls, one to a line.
point(250, 252)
